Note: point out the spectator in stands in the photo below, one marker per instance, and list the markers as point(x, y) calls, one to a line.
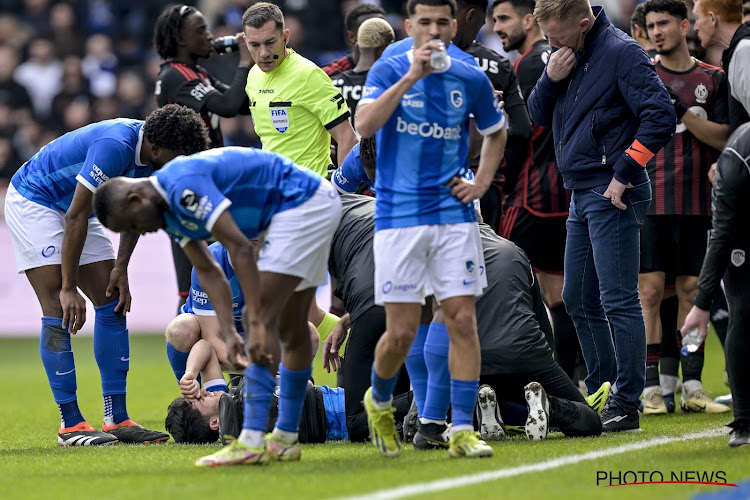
point(41, 75)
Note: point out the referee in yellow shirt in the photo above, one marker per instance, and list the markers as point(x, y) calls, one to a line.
point(295, 106)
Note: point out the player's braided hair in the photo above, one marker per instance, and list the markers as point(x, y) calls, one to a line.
point(186, 424)
point(168, 27)
point(367, 152)
point(177, 128)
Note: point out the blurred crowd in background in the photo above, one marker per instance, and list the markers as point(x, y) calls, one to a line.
point(64, 64)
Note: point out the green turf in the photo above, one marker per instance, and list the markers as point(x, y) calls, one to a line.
point(33, 466)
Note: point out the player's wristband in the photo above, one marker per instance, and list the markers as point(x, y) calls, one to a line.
point(325, 326)
point(639, 153)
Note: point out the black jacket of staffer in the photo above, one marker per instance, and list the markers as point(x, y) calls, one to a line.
point(730, 201)
point(737, 112)
point(503, 77)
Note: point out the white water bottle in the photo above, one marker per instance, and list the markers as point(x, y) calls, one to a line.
point(691, 341)
point(439, 57)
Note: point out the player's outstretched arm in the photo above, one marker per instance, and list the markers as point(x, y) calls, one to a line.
point(215, 283)
point(74, 236)
point(345, 138)
point(371, 116)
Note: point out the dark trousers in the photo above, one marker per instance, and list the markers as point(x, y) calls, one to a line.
point(568, 408)
point(365, 332)
point(737, 344)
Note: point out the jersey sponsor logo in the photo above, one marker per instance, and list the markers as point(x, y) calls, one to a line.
point(199, 297)
point(353, 91)
point(701, 93)
point(97, 175)
point(457, 98)
point(399, 287)
point(200, 90)
point(280, 119)
point(338, 99)
point(427, 130)
point(48, 252)
point(487, 65)
point(189, 200)
point(189, 225)
point(368, 91)
point(265, 91)
point(412, 103)
point(738, 257)
point(339, 178)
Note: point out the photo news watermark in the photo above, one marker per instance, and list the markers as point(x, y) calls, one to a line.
point(635, 478)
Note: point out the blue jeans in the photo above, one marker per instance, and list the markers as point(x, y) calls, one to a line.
point(602, 258)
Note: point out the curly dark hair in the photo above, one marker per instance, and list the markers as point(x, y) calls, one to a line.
point(186, 424)
point(177, 128)
point(675, 8)
point(168, 27)
point(363, 9)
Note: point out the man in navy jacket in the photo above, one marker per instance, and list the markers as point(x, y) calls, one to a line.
point(610, 114)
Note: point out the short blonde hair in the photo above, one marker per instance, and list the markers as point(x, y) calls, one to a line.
point(729, 11)
point(375, 32)
point(562, 10)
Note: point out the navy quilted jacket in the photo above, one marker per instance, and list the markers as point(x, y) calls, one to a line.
point(612, 98)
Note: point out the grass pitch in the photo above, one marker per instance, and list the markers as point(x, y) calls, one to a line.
point(32, 465)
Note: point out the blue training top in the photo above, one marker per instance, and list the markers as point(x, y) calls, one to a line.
point(89, 155)
point(425, 142)
point(251, 184)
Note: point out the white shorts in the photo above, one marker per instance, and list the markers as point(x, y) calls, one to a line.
point(298, 240)
point(37, 234)
point(411, 263)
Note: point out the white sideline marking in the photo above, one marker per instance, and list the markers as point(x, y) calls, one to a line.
point(481, 477)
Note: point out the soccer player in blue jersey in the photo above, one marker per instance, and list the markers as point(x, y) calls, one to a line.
point(61, 247)
point(236, 194)
point(427, 238)
point(198, 321)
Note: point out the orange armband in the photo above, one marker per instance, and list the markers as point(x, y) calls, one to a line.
point(639, 153)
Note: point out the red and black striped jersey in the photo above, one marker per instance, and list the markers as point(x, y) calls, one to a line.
point(191, 86)
point(539, 188)
point(339, 65)
point(679, 172)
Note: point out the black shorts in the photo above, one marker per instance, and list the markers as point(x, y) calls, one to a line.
point(183, 267)
point(674, 244)
point(542, 238)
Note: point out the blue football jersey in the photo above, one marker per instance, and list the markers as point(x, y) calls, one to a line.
point(406, 44)
point(348, 177)
point(198, 302)
point(425, 142)
point(251, 184)
point(89, 155)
